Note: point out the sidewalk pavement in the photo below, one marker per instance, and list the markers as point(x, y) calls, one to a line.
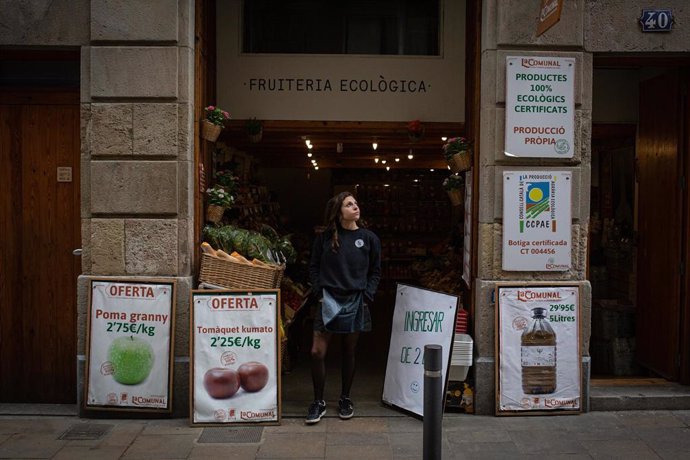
point(630, 434)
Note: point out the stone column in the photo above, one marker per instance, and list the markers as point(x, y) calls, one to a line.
point(509, 29)
point(138, 155)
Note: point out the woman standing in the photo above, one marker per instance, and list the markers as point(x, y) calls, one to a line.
point(345, 270)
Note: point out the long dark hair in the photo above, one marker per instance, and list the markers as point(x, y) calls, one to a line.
point(331, 217)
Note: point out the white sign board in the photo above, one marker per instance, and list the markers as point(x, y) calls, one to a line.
point(421, 317)
point(536, 220)
point(540, 107)
point(235, 357)
point(130, 337)
point(342, 87)
point(539, 348)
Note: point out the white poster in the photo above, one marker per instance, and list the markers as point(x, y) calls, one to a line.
point(235, 357)
point(421, 317)
point(540, 107)
point(130, 345)
point(539, 348)
point(536, 220)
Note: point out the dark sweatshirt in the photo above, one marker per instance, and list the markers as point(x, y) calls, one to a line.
point(355, 266)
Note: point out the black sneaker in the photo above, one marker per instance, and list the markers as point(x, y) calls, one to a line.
point(345, 408)
point(317, 409)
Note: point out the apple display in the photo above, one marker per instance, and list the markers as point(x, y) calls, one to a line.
point(221, 382)
point(253, 376)
point(132, 359)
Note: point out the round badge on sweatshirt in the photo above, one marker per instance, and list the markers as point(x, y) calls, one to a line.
point(359, 243)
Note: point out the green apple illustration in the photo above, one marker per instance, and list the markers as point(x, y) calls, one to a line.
point(132, 359)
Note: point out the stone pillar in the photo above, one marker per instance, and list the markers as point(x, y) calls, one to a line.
point(137, 156)
point(509, 29)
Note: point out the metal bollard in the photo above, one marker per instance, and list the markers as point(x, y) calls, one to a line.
point(433, 408)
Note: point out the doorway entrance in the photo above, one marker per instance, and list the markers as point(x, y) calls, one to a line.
point(639, 221)
point(40, 226)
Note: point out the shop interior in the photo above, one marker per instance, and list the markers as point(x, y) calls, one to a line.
point(281, 183)
point(637, 213)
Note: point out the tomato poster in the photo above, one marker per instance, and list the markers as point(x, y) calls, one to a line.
point(235, 352)
point(130, 340)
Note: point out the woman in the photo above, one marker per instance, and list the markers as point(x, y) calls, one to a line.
point(345, 270)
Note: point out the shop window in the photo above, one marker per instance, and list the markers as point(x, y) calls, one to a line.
point(380, 27)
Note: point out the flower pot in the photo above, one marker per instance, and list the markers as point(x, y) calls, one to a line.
point(460, 161)
point(456, 196)
point(256, 138)
point(214, 213)
point(209, 131)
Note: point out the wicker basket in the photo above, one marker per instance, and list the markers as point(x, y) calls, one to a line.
point(209, 131)
point(235, 275)
point(456, 196)
point(461, 161)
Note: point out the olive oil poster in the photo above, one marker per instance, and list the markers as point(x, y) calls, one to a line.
point(539, 365)
point(130, 340)
point(235, 340)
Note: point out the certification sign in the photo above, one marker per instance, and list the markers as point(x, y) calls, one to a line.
point(235, 357)
point(540, 107)
point(536, 220)
point(539, 348)
point(421, 317)
point(130, 337)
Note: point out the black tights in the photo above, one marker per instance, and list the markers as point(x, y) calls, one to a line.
point(318, 361)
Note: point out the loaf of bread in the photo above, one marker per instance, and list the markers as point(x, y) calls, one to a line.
point(208, 249)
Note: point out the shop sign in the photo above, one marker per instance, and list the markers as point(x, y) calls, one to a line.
point(536, 220)
point(549, 14)
point(421, 317)
point(130, 337)
point(539, 359)
point(235, 357)
point(467, 234)
point(656, 20)
point(540, 107)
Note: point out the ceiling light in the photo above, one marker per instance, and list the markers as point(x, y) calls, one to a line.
point(397, 160)
point(388, 168)
point(416, 180)
point(432, 170)
point(374, 145)
point(376, 160)
point(308, 142)
point(309, 146)
point(383, 162)
point(316, 167)
point(386, 185)
point(309, 155)
point(448, 167)
point(410, 156)
point(444, 138)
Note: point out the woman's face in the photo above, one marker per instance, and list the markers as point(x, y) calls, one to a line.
point(349, 210)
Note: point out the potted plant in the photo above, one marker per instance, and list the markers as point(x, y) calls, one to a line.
point(255, 130)
point(218, 200)
point(212, 125)
point(415, 130)
point(456, 151)
point(454, 186)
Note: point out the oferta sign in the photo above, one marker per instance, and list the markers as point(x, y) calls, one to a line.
point(540, 107)
point(235, 357)
point(130, 341)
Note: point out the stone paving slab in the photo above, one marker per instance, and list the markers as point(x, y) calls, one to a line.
point(555, 442)
point(623, 449)
point(28, 445)
point(215, 452)
point(360, 452)
point(90, 453)
point(160, 446)
point(306, 445)
point(666, 438)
